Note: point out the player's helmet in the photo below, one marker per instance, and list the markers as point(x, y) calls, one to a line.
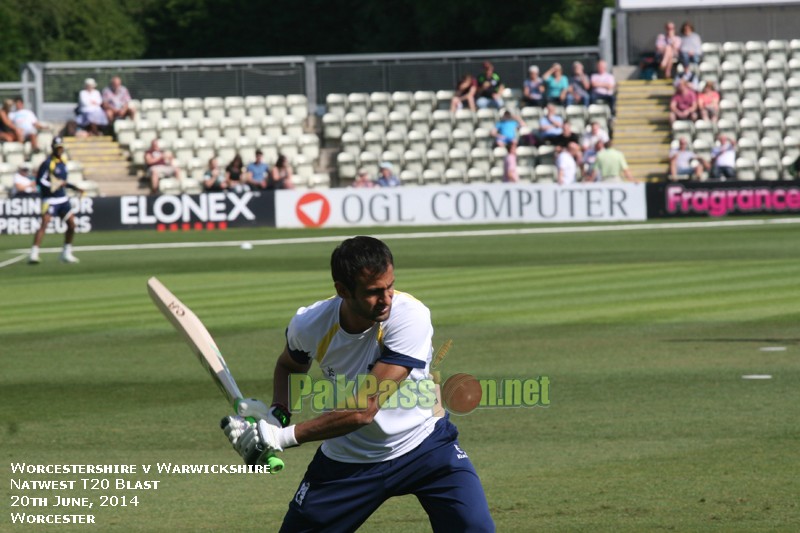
point(58, 142)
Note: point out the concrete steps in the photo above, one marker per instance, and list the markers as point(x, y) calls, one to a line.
point(104, 163)
point(641, 129)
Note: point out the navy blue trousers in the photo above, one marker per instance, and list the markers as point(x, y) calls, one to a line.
point(339, 497)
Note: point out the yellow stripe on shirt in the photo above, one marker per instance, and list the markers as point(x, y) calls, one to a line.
point(322, 347)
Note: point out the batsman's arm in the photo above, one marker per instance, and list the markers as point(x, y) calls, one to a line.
point(283, 369)
point(337, 423)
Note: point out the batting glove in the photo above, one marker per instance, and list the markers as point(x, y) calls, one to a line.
point(255, 442)
point(259, 410)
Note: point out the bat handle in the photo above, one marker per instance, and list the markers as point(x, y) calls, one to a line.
point(275, 464)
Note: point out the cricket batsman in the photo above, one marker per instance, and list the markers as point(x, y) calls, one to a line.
point(367, 455)
point(52, 182)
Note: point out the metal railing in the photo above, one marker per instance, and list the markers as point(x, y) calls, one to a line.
point(56, 84)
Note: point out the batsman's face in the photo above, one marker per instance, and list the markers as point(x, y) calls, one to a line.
point(373, 296)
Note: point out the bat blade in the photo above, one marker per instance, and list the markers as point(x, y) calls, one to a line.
point(197, 337)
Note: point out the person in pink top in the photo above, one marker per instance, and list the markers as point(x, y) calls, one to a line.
point(603, 85)
point(510, 174)
point(683, 105)
point(362, 181)
point(668, 45)
point(708, 102)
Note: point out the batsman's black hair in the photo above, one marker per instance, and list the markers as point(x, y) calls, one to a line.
point(357, 256)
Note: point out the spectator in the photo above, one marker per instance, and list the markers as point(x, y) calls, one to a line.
point(723, 159)
point(603, 86)
point(489, 88)
point(691, 46)
point(91, 114)
point(116, 101)
point(683, 105)
point(589, 159)
point(505, 131)
point(578, 90)
point(596, 133)
point(691, 79)
point(214, 178)
point(159, 164)
point(280, 176)
point(26, 120)
point(257, 172)
point(566, 165)
point(362, 181)
point(234, 174)
point(8, 131)
point(610, 164)
point(708, 102)
point(533, 88)
point(667, 46)
point(556, 85)
point(387, 179)
point(550, 125)
point(567, 136)
point(680, 162)
point(465, 92)
point(510, 174)
point(23, 185)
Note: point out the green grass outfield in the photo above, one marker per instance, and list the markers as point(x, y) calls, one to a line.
point(644, 334)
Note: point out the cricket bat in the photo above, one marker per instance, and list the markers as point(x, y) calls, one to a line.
point(202, 344)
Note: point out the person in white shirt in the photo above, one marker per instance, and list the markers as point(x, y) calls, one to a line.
point(723, 159)
point(22, 184)
point(567, 168)
point(91, 114)
point(367, 455)
point(591, 137)
point(26, 120)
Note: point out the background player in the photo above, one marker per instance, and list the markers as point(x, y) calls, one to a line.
point(367, 455)
point(52, 182)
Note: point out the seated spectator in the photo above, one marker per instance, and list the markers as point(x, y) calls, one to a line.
point(691, 46)
point(567, 136)
point(680, 162)
point(465, 92)
point(510, 173)
point(708, 102)
point(683, 105)
point(556, 85)
point(533, 88)
point(723, 159)
point(490, 90)
point(362, 181)
point(387, 178)
point(23, 185)
point(214, 178)
point(8, 131)
point(235, 175)
point(603, 86)
point(257, 172)
point(667, 47)
point(596, 133)
point(691, 79)
point(116, 101)
point(26, 120)
point(578, 90)
point(610, 164)
point(550, 125)
point(280, 176)
point(159, 164)
point(91, 114)
point(505, 131)
point(566, 165)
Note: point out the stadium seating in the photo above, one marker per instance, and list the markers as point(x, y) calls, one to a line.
point(759, 86)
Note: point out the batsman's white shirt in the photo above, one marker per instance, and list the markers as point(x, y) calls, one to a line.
point(403, 339)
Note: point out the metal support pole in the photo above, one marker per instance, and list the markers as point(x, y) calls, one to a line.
point(311, 83)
